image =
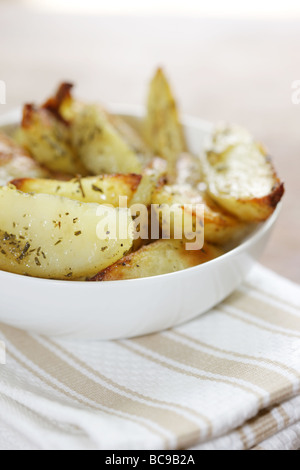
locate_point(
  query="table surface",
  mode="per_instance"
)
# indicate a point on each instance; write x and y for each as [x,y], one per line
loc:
[234,70]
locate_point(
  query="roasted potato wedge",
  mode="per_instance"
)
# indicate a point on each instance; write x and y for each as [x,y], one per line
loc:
[56,227]
[100,146]
[104,189]
[61,105]
[73,137]
[161,257]
[15,162]
[146,189]
[48,140]
[130,136]
[52,237]
[240,176]
[153,177]
[163,131]
[66,108]
[219,227]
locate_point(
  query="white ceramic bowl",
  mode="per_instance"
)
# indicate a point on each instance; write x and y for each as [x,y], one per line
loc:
[123,309]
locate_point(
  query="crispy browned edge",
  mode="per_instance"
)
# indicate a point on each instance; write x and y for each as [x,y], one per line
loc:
[52,105]
[131,179]
[28,111]
[272,199]
[129,259]
[268,203]
[124,262]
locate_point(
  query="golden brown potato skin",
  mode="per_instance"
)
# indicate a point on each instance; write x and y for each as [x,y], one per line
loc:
[161,257]
[15,162]
[48,139]
[220,227]
[60,101]
[104,189]
[256,209]
[240,175]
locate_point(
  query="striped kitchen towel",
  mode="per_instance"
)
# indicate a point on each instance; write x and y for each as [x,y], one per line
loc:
[227,380]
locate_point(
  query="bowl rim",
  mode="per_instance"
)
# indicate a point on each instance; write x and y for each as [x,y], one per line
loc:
[129,110]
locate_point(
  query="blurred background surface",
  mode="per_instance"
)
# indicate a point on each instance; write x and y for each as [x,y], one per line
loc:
[228,60]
